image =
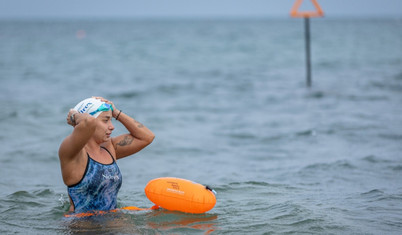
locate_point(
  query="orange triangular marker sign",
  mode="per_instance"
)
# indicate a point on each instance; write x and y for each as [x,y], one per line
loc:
[294,12]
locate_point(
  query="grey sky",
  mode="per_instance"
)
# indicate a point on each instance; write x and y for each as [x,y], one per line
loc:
[190,8]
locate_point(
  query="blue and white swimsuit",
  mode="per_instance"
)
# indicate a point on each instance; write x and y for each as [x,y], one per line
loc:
[98,188]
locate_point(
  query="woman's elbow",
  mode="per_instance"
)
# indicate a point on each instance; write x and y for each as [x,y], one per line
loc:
[150,138]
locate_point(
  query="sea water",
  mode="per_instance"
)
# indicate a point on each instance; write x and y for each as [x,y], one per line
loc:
[228,103]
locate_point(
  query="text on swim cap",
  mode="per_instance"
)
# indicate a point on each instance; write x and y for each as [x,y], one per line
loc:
[85,108]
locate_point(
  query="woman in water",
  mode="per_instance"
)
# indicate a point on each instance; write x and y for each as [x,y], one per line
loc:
[88,155]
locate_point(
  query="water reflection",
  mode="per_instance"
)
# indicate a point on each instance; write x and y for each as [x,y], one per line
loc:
[100,224]
[170,221]
[139,222]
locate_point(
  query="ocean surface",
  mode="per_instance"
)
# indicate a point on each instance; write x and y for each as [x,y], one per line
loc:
[228,103]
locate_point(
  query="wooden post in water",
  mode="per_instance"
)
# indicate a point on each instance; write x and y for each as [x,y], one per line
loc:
[295,13]
[308,57]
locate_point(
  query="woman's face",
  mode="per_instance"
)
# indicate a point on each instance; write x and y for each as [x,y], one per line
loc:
[104,127]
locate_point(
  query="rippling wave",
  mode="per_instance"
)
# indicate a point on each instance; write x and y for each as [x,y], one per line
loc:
[228,104]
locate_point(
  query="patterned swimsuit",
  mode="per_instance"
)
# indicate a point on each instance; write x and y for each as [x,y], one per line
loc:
[98,188]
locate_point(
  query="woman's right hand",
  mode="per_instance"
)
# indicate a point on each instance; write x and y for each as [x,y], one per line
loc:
[71,117]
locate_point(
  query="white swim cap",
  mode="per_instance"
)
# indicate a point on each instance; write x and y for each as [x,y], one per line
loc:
[92,106]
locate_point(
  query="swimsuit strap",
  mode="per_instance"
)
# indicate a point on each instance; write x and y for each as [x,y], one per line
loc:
[109,153]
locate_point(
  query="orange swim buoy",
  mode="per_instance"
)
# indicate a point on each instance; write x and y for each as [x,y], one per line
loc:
[180,195]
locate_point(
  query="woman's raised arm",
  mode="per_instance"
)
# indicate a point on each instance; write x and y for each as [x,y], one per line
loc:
[84,126]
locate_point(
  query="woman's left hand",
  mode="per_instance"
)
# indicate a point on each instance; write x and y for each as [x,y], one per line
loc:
[115,111]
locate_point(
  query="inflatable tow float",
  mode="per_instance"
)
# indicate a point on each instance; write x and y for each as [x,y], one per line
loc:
[177,194]
[170,193]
